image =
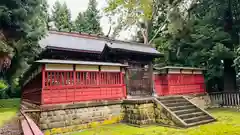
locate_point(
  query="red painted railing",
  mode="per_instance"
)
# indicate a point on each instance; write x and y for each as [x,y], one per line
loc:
[75,86]
[173,84]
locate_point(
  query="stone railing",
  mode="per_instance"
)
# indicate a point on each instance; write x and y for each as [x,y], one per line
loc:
[225,99]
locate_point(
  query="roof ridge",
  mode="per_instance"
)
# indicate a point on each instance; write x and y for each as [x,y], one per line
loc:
[95,36]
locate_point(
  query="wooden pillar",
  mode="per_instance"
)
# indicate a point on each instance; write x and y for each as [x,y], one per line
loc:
[99,75]
[43,82]
[122,82]
[150,71]
[126,79]
[74,82]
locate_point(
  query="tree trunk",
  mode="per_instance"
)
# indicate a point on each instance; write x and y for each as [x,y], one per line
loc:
[229,76]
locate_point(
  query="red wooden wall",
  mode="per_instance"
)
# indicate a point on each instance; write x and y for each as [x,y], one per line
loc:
[32,90]
[174,84]
[76,86]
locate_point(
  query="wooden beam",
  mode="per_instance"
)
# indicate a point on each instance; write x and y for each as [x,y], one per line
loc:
[150,70]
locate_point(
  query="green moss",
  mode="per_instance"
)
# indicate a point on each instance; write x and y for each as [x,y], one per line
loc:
[111,120]
[228,124]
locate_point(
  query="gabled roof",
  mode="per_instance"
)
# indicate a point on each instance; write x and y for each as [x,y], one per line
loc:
[91,43]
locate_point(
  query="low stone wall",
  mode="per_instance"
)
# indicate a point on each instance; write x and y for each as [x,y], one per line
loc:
[201,100]
[139,112]
[68,118]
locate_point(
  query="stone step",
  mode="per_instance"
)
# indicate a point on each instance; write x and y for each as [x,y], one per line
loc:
[200,122]
[186,111]
[190,115]
[170,98]
[177,104]
[167,101]
[184,107]
[196,119]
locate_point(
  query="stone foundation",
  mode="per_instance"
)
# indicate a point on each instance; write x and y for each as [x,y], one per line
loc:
[139,112]
[71,118]
[146,112]
[201,100]
[63,118]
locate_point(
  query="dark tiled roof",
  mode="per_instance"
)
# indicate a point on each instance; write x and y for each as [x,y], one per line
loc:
[91,43]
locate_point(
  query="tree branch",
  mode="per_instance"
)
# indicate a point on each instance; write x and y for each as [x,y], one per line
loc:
[158,31]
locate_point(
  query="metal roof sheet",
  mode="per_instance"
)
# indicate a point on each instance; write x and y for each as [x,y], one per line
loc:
[71,42]
[133,47]
[53,61]
[75,41]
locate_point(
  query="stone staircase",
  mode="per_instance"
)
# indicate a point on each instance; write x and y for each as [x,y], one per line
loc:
[185,112]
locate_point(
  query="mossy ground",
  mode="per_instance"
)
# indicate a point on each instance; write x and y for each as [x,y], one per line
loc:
[228,124]
[8,109]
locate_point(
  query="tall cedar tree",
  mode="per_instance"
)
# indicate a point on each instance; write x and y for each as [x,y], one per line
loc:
[61,16]
[89,21]
[22,25]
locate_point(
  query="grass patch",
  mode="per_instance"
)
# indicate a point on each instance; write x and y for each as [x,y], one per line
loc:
[228,124]
[8,109]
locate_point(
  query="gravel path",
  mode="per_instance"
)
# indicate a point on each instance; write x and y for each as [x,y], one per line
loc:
[12,127]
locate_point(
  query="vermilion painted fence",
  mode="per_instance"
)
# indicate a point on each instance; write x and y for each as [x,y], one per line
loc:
[75,86]
[173,84]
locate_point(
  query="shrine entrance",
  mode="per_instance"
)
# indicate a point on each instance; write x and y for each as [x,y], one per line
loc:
[139,82]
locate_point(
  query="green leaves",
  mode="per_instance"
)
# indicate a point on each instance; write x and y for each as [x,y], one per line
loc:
[89,21]
[61,16]
[138,8]
[237,59]
[3,85]
[22,25]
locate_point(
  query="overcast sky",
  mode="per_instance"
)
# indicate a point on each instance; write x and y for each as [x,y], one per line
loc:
[77,6]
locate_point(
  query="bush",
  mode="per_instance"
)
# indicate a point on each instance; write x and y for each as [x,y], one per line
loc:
[9,90]
[3,85]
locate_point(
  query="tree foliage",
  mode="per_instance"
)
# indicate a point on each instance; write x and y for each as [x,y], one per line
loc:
[89,21]
[22,24]
[200,33]
[61,16]
[143,13]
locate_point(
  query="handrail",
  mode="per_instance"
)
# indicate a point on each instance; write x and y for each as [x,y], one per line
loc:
[28,126]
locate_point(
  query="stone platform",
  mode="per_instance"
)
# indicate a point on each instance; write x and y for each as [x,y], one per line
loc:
[63,118]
